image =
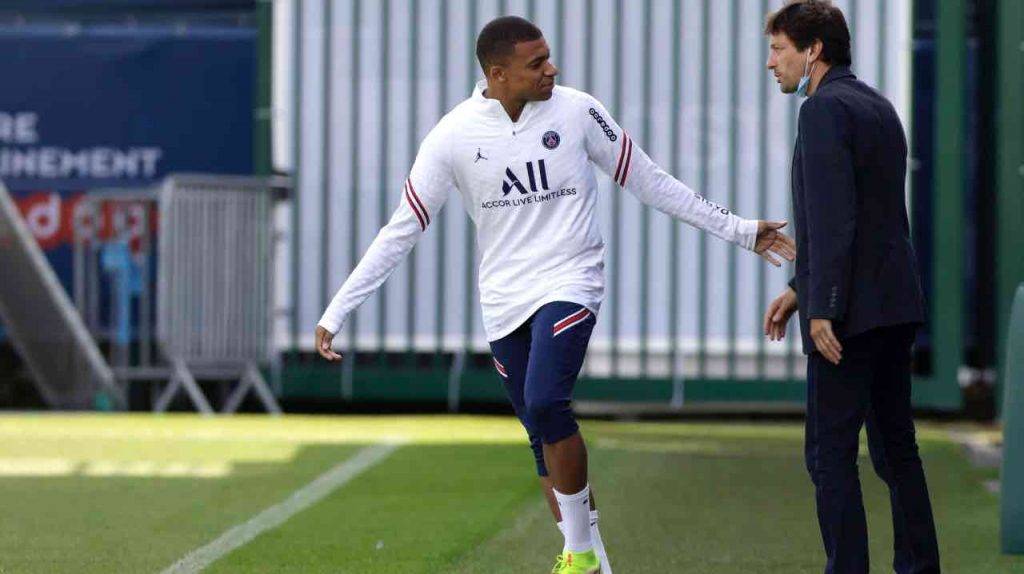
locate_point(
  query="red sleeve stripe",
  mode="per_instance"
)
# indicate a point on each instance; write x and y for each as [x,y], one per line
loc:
[423,209]
[625,168]
[412,204]
[622,156]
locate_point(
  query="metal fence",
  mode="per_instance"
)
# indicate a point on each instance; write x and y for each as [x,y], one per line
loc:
[686,78]
[212,241]
[215,299]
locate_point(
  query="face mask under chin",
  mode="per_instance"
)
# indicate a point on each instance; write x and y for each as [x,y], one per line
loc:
[805,80]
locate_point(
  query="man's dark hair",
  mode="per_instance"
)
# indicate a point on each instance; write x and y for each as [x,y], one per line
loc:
[499,37]
[805,21]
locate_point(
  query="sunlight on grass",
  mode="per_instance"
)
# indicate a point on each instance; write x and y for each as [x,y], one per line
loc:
[24,467]
[294,429]
[196,447]
[186,445]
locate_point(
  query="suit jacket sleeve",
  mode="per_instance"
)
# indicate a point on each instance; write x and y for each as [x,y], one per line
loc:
[830,205]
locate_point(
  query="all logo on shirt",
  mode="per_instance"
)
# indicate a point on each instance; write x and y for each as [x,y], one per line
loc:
[511,181]
[536,181]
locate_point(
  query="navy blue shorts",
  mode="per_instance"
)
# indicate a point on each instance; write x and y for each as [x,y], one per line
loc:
[539,363]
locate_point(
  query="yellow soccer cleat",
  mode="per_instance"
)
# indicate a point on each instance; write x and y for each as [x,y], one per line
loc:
[577,563]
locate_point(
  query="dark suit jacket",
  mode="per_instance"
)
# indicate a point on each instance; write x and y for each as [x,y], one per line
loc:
[855,264]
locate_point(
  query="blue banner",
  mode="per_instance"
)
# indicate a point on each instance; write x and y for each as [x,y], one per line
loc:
[113,5]
[115,106]
[118,106]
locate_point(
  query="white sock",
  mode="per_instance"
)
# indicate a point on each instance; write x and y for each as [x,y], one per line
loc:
[595,537]
[575,509]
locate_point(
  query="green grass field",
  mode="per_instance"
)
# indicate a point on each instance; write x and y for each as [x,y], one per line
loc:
[139,493]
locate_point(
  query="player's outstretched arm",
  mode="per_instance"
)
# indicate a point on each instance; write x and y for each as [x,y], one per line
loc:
[615,153]
[423,195]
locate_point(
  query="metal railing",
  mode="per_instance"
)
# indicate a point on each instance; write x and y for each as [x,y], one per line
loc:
[212,241]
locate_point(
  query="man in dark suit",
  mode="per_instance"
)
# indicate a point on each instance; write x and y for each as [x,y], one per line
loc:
[857,289]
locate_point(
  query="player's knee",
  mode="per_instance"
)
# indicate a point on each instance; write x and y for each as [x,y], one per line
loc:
[539,411]
[551,417]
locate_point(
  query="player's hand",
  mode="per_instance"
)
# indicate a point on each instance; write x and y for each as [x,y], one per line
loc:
[323,344]
[777,316]
[825,340]
[771,240]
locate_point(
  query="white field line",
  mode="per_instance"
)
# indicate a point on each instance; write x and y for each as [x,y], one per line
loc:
[276,515]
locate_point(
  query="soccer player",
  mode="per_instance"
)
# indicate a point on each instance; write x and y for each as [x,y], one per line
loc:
[522,152]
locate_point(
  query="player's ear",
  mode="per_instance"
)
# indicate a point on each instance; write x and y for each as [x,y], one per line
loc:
[497,73]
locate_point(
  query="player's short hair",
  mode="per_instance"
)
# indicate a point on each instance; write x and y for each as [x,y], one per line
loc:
[499,37]
[805,21]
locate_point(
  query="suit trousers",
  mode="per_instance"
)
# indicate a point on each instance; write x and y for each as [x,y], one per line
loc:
[871,385]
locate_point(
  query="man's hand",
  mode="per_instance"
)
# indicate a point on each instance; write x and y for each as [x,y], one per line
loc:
[778,314]
[770,240]
[825,340]
[323,344]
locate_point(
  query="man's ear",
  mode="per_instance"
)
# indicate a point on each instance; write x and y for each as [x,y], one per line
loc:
[816,49]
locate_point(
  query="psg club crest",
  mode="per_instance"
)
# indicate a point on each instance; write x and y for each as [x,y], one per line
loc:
[551,140]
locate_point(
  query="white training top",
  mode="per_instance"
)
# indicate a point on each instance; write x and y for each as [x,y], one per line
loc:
[529,187]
